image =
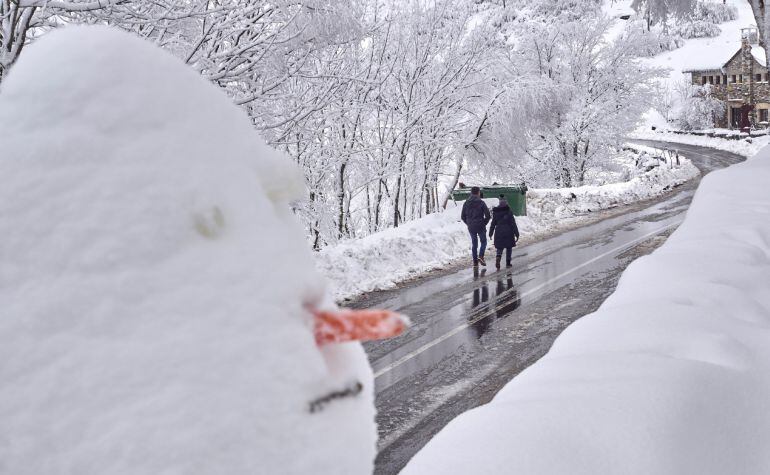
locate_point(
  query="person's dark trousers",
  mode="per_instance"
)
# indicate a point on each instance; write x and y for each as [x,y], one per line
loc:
[478,236]
[507,254]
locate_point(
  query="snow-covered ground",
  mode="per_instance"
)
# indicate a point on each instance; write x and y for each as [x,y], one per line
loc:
[671,375]
[549,204]
[382,260]
[747,146]
[154,287]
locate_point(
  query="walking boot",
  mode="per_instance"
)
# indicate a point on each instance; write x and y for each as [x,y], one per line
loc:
[482,261]
[497,262]
[475,262]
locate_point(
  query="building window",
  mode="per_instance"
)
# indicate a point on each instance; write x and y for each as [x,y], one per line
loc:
[759,78]
[735,117]
[733,79]
[711,79]
[740,78]
[763,115]
[704,80]
[718,79]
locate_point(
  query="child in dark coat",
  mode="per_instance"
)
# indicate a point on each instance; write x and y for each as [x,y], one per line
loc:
[505,231]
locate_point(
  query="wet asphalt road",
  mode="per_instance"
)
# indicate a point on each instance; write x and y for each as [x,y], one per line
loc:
[473,331]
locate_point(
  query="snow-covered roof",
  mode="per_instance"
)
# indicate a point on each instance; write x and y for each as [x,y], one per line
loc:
[711,67]
[714,64]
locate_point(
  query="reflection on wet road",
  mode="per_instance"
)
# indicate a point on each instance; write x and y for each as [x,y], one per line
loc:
[448,319]
[473,330]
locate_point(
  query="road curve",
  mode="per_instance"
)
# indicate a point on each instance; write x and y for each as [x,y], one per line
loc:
[473,331]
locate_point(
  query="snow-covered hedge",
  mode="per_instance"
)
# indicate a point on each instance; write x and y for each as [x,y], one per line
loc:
[671,375]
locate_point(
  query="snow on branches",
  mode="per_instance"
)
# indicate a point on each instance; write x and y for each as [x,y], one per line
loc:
[384,106]
[578,94]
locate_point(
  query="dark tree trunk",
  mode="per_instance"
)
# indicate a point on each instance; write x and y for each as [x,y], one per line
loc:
[760,17]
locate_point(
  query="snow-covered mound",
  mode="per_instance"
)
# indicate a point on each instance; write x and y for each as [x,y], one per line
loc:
[153,281]
[671,375]
[567,202]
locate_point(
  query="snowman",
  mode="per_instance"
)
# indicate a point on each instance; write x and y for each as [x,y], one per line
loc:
[159,308]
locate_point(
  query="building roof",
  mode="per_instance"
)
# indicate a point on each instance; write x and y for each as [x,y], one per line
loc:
[714,64]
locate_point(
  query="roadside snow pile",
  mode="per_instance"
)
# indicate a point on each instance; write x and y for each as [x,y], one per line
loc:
[382,260]
[747,146]
[565,202]
[153,280]
[671,375]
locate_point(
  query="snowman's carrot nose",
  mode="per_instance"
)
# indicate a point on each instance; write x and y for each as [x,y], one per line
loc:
[357,325]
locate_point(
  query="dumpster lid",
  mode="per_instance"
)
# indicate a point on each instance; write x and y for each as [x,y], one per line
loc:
[520,187]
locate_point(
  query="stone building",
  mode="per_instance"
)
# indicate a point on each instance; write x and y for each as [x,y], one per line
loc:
[741,82]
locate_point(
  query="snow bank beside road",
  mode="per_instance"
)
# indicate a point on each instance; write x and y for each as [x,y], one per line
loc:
[671,375]
[382,260]
[565,202]
[746,147]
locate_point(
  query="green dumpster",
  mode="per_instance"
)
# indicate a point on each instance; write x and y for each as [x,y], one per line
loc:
[515,195]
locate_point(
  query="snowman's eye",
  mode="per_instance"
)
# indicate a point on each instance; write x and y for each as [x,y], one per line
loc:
[210,223]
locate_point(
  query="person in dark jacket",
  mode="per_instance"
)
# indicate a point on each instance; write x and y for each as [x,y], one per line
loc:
[505,231]
[475,215]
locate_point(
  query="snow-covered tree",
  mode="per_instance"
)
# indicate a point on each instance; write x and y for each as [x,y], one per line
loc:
[762,19]
[699,109]
[581,96]
[664,99]
[659,11]
[386,114]
[384,105]
[21,21]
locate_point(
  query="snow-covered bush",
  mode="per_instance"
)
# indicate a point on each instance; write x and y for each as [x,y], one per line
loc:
[699,109]
[656,40]
[695,29]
